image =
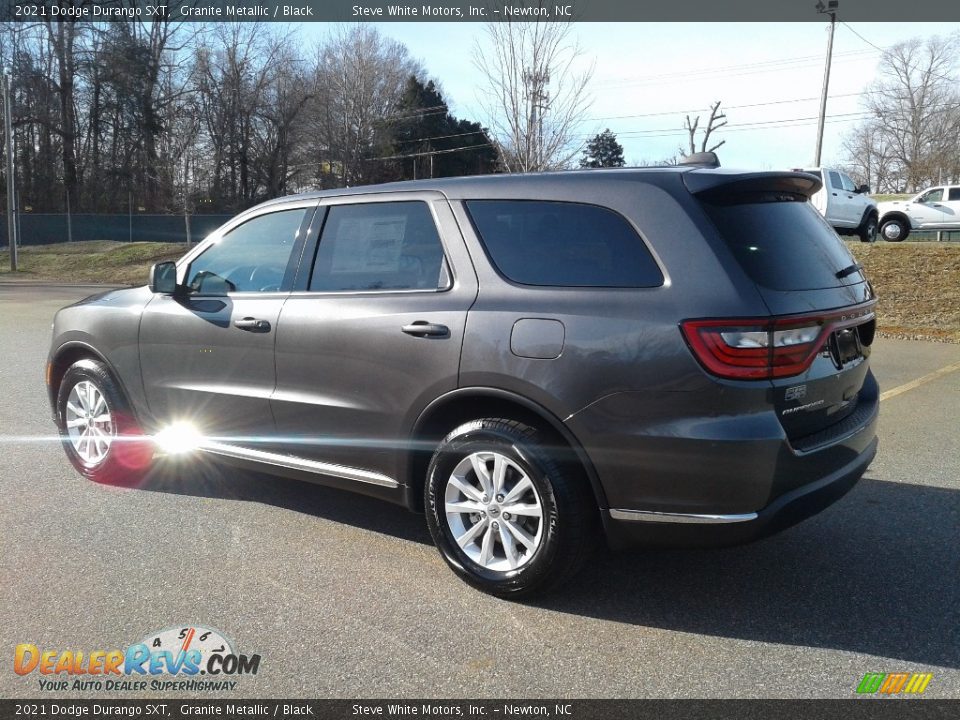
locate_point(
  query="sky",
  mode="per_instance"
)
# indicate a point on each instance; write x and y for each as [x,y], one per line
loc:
[662,71]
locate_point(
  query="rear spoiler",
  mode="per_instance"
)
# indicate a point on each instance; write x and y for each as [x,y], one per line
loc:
[715,182]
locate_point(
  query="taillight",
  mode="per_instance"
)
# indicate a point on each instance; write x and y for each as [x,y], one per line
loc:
[756,349]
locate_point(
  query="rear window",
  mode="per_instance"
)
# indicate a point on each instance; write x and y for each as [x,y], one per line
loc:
[782,242]
[563,244]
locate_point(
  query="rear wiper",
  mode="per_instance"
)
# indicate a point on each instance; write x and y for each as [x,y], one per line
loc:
[849,270]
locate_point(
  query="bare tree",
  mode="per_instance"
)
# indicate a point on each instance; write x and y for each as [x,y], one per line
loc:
[360,80]
[536,94]
[716,121]
[868,159]
[63,39]
[236,73]
[914,110]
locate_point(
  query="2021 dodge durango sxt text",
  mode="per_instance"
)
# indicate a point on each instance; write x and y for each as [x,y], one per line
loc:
[672,355]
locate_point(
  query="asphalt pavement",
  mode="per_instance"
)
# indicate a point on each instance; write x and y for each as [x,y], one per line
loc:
[344,596]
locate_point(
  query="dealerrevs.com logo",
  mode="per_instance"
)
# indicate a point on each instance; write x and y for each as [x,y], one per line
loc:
[184,653]
[894,683]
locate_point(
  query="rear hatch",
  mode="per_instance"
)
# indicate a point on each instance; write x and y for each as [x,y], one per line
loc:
[815,344]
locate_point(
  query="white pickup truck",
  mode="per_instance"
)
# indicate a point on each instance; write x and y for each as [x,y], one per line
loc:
[935,209]
[848,208]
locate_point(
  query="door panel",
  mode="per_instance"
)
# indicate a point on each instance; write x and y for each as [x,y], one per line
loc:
[951,208]
[929,213]
[852,202]
[207,351]
[357,363]
[200,368]
[838,206]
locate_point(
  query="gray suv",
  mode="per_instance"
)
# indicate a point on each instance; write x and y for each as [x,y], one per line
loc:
[671,355]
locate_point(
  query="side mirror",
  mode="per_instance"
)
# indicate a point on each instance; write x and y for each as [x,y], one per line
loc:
[864,189]
[163,278]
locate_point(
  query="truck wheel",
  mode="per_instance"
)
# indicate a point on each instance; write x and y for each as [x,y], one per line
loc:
[894,230]
[509,516]
[868,229]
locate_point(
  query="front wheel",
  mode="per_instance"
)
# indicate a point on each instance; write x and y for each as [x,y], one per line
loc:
[508,513]
[97,428]
[894,230]
[868,229]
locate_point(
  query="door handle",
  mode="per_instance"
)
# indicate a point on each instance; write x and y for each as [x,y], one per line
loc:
[834,194]
[252,325]
[421,328]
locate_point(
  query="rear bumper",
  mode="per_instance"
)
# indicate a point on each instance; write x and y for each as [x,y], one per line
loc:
[625,528]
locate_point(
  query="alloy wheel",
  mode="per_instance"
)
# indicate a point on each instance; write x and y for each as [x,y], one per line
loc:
[493,511]
[89,422]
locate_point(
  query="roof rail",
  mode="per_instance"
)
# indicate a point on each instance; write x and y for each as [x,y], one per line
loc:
[706,159]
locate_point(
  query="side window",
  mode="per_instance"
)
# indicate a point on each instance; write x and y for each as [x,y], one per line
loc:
[847,183]
[835,182]
[563,244]
[935,195]
[954,194]
[252,257]
[379,246]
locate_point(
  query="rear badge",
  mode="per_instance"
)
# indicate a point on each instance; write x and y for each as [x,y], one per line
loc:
[797,392]
[808,406]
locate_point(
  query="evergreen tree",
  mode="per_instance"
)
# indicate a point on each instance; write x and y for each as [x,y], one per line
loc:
[603,151]
[440,145]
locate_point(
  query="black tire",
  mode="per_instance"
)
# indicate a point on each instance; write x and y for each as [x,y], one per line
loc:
[868,229]
[568,526]
[894,230]
[130,453]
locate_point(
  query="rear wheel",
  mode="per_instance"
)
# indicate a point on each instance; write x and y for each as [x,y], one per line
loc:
[868,229]
[98,430]
[894,230]
[508,514]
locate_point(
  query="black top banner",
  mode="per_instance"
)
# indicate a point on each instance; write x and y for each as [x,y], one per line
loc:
[479,10]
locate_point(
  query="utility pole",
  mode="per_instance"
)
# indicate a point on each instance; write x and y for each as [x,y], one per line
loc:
[11,180]
[830,9]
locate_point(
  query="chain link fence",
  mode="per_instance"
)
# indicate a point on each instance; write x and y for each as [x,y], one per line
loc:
[47,228]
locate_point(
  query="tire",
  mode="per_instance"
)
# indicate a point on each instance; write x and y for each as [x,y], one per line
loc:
[868,229]
[526,554]
[90,403]
[895,230]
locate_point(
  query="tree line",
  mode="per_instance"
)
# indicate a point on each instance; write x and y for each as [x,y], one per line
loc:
[215,118]
[910,137]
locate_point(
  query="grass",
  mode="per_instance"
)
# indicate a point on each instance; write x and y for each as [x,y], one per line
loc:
[918,284]
[901,196]
[97,261]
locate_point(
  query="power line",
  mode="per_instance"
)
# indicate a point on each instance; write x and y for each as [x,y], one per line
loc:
[728,107]
[441,137]
[431,152]
[847,25]
[634,133]
[680,132]
[735,70]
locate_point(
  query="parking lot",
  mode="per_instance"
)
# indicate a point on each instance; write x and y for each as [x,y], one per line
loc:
[345,596]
